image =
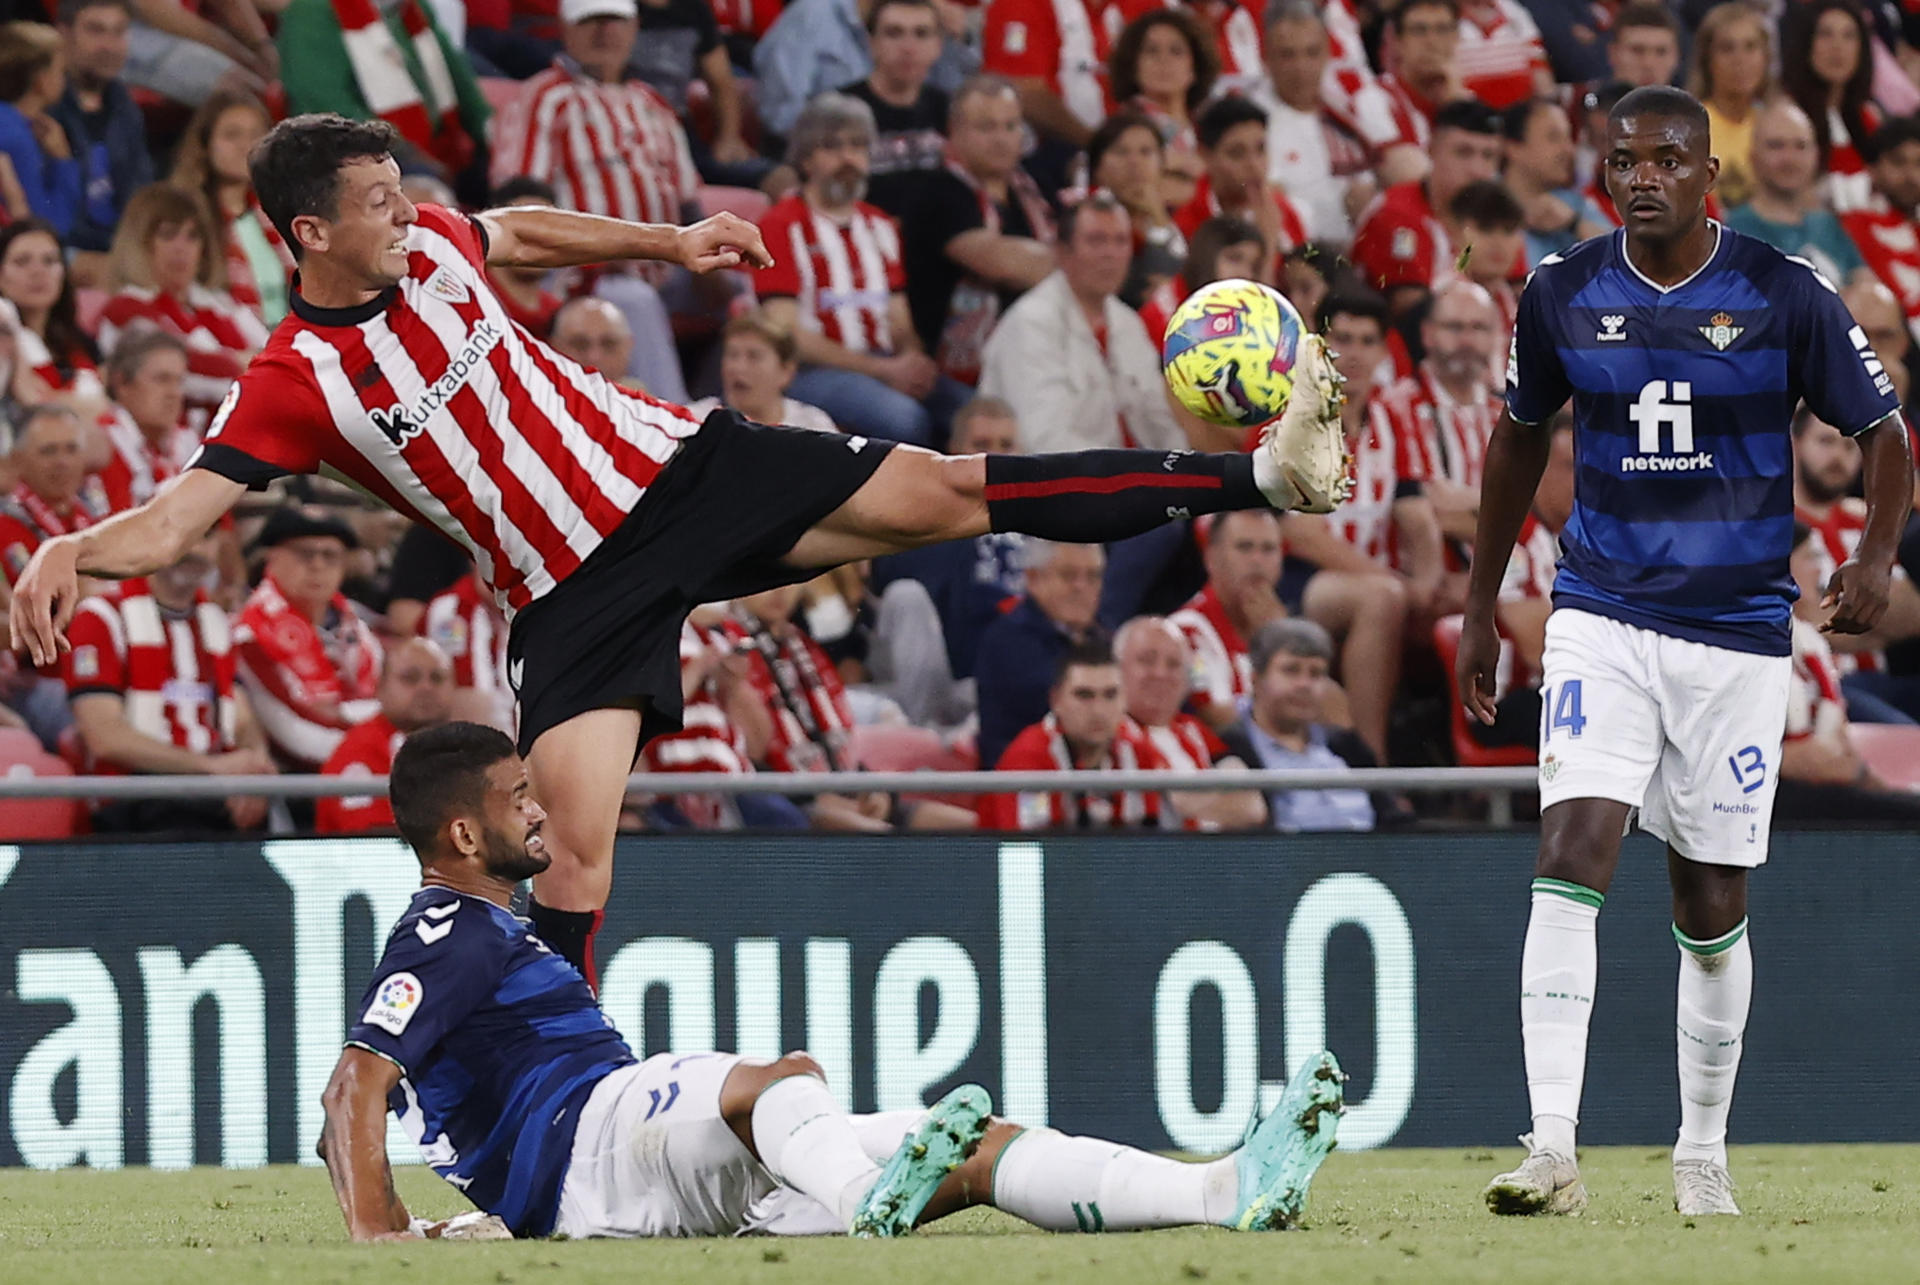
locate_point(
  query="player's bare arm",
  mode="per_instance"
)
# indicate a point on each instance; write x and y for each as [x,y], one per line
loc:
[353,1143]
[1861,586]
[532,237]
[1516,457]
[133,543]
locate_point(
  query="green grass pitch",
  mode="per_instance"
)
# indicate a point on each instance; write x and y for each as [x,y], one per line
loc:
[1836,1213]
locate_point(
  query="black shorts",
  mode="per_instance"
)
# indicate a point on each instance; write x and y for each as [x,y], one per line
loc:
[713,526]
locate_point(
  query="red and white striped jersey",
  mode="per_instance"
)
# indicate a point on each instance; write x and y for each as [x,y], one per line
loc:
[1041,748]
[1529,573]
[27,521]
[1206,204]
[616,149]
[1848,185]
[1222,674]
[174,671]
[708,740]
[804,695]
[1058,41]
[1837,535]
[1815,703]
[1187,744]
[1386,467]
[466,623]
[1889,241]
[430,399]
[135,470]
[1451,436]
[367,750]
[1500,50]
[843,276]
[219,335]
[308,685]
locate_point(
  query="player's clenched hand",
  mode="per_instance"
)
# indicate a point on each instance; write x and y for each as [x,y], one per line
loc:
[722,241]
[43,601]
[1473,668]
[1857,595]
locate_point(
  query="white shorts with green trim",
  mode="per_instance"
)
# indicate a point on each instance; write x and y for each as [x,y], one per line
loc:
[1689,734]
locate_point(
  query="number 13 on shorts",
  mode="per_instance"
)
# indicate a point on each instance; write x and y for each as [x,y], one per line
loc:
[1560,710]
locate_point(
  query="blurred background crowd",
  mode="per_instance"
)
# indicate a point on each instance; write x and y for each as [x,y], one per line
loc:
[981,216]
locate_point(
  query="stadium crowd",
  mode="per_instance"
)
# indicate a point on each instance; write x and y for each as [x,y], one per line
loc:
[981,217]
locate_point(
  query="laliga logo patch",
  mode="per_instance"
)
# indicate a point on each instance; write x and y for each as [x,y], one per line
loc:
[1720,330]
[395,1003]
[443,285]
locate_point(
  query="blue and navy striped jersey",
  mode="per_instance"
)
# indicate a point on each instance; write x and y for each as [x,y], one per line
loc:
[498,1040]
[1683,403]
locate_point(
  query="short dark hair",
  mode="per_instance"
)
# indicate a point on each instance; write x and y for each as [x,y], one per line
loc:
[1222,115]
[1468,114]
[131,353]
[296,167]
[1355,304]
[1111,131]
[1516,119]
[1668,102]
[1644,13]
[1207,242]
[1897,131]
[1398,18]
[1097,650]
[520,187]
[1487,203]
[439,773]
[1099,201]
[873,15]
[71,9]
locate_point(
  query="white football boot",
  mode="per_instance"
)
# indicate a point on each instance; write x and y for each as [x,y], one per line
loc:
[1307,445]
[1703,1187]
[1545,1183]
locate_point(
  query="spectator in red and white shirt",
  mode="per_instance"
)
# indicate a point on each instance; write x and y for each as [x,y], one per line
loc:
[416,691]
[1393,130]
[310,664]
[1449,405]
[1885,230]
[468,626]
[1487,216]
[146,377]
[1086,730]
[151,680]
[1423,66]
[838,281]
[1156,671]
[1501,59]
[1244,555]
[50,342]
[1164,67]
[1826,470]
[1378,557]
[1053,51]
[1826,66]
[1233,138]
[1314,154]
[168,276]
[54,494]
[1402,247]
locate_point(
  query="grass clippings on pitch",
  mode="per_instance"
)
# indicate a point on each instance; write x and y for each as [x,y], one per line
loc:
[1840,1213]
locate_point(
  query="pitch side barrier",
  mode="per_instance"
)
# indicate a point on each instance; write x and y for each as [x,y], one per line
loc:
[169,1005]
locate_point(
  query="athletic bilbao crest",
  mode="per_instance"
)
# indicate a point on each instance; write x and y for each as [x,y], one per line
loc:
[1720,330]
[444,285]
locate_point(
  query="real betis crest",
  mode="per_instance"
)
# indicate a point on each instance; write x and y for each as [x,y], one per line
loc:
[1720,330]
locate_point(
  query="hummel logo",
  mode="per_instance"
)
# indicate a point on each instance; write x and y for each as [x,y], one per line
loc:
[441,912]
[1611,331]
[428,934]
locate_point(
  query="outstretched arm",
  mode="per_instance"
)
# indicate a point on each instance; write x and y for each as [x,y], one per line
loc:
[133,543]
[353,1142]
[1861,586]
[1516,457]
[541,237]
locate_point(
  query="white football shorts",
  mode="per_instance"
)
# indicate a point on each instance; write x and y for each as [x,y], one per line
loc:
[653,1157]
[1688,733]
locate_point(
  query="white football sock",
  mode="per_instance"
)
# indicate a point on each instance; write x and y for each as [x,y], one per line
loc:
[1280,493]
[1558,969]
[809,1143]
[1716,990]
[1066,1183]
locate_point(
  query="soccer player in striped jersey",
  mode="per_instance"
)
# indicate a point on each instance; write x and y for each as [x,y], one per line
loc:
[599,516]
[1685,347]
[500,1065]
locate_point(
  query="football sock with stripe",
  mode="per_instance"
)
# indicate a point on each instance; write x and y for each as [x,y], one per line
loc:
[807,1142]
[570,933]
[1716,990]
[1559,967]
[1090,497]
[1065,1183]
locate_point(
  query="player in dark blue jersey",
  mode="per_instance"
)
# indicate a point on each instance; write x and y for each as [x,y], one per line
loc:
[497,1060]
[1686,348]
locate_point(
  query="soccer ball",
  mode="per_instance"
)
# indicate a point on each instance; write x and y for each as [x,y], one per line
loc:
[1229,352]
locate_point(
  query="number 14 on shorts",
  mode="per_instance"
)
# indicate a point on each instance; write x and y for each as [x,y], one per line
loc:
[1560,709]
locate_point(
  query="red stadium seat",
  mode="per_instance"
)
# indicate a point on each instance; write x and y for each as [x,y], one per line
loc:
[35,818]
[749,203]
[1467,751]
[1892,750]
[898,749]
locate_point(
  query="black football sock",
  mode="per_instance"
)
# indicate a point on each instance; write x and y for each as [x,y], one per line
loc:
[1091,497]
[570,933]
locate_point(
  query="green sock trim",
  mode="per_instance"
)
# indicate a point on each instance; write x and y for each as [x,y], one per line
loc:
[1571,891]
[1713,947]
